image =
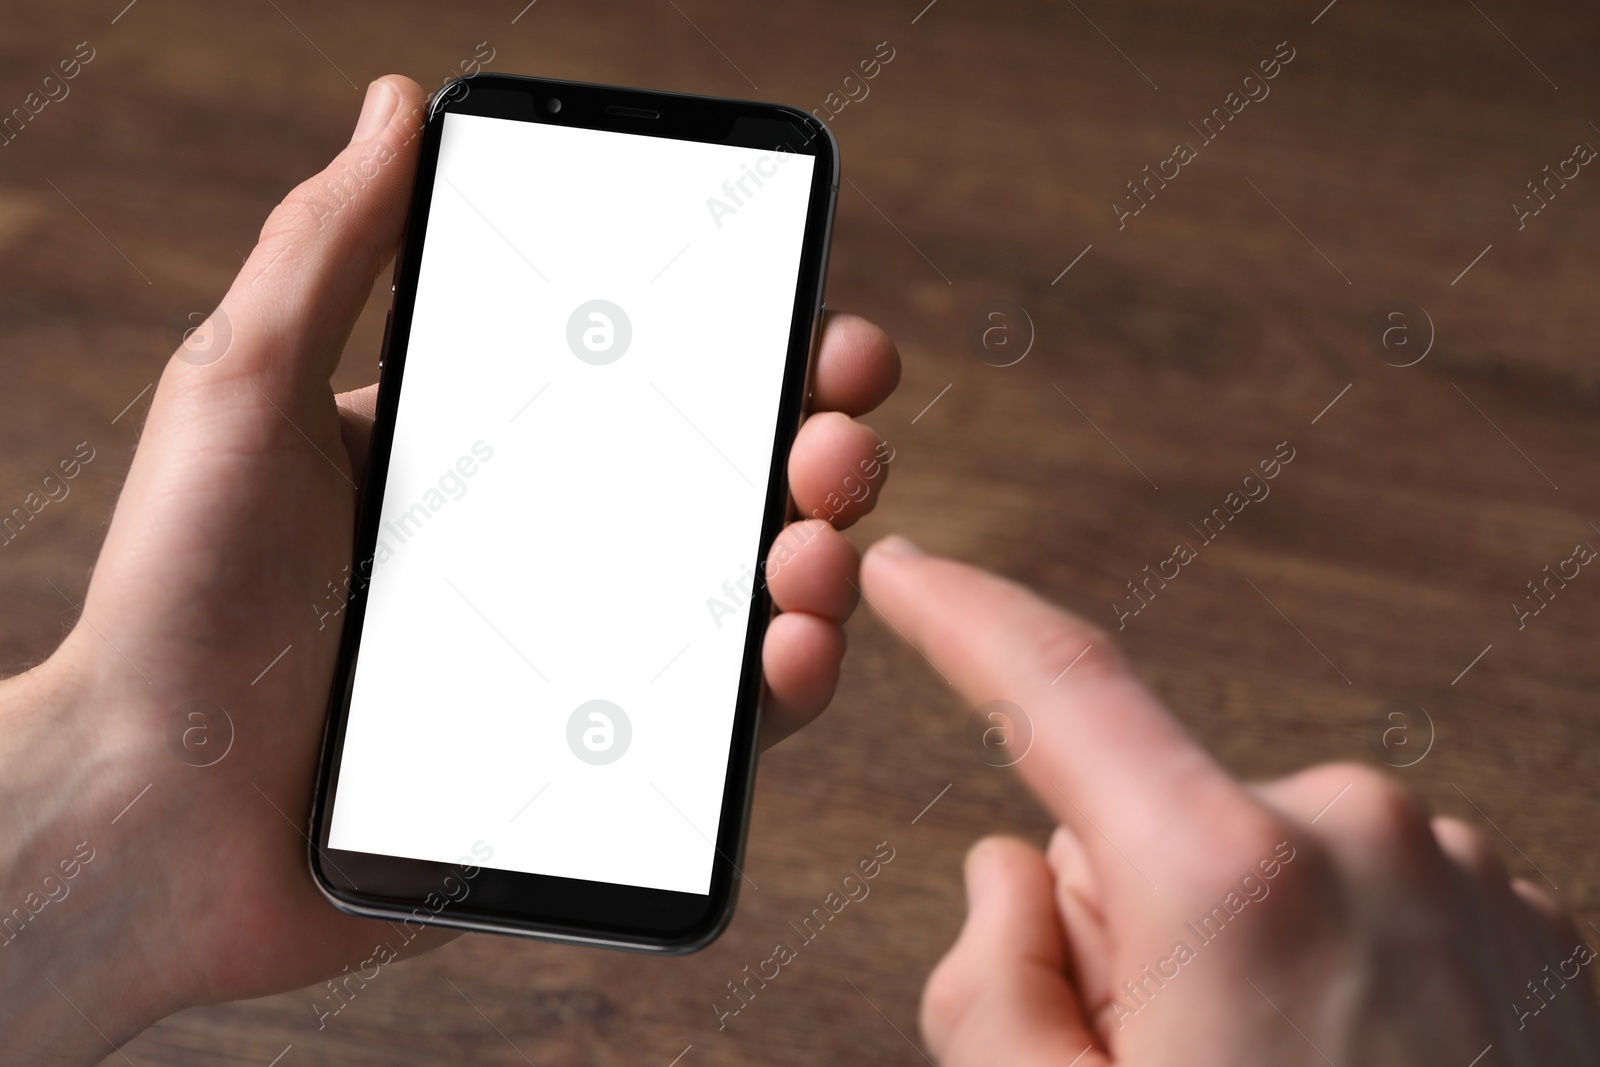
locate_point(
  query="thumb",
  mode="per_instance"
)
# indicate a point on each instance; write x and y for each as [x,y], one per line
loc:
[284,322]
[1001,994]
[251,383]
[241,452]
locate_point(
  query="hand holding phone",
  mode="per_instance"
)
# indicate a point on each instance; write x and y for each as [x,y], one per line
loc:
[235,518]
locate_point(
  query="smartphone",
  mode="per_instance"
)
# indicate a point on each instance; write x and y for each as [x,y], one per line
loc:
[544,716]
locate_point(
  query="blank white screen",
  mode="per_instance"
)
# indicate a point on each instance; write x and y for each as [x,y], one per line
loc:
[554,531]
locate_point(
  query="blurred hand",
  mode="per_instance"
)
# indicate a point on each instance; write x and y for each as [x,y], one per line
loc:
[1180,917]
[237,513]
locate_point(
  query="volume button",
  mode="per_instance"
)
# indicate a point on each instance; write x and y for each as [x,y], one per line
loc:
[383,352]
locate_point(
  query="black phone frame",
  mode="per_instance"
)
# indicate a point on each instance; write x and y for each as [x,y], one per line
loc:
[418,892]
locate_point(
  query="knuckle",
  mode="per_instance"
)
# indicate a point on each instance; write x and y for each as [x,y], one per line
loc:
[299,215]
[1066,640]
[1256,862]
[1378,810]
[305,215]
[1253,842]
[1470,849]
[1259,833]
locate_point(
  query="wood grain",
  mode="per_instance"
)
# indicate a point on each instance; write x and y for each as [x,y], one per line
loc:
[1175,354]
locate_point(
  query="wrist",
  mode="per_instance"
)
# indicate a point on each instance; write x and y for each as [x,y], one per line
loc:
[74,977]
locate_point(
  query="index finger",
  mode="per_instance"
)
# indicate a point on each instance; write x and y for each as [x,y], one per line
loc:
[1106,757]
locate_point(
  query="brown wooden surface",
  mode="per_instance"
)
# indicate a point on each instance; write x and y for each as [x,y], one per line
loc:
[983,161]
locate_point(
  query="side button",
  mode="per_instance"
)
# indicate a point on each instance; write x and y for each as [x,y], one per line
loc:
[383,352]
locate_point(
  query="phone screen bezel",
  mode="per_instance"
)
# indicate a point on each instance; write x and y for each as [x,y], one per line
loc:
[566,909]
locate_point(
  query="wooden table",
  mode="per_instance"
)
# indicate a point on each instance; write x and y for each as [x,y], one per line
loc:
[1171,351]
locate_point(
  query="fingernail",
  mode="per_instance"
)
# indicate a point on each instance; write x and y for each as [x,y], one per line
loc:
[895,545]
[376,111]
